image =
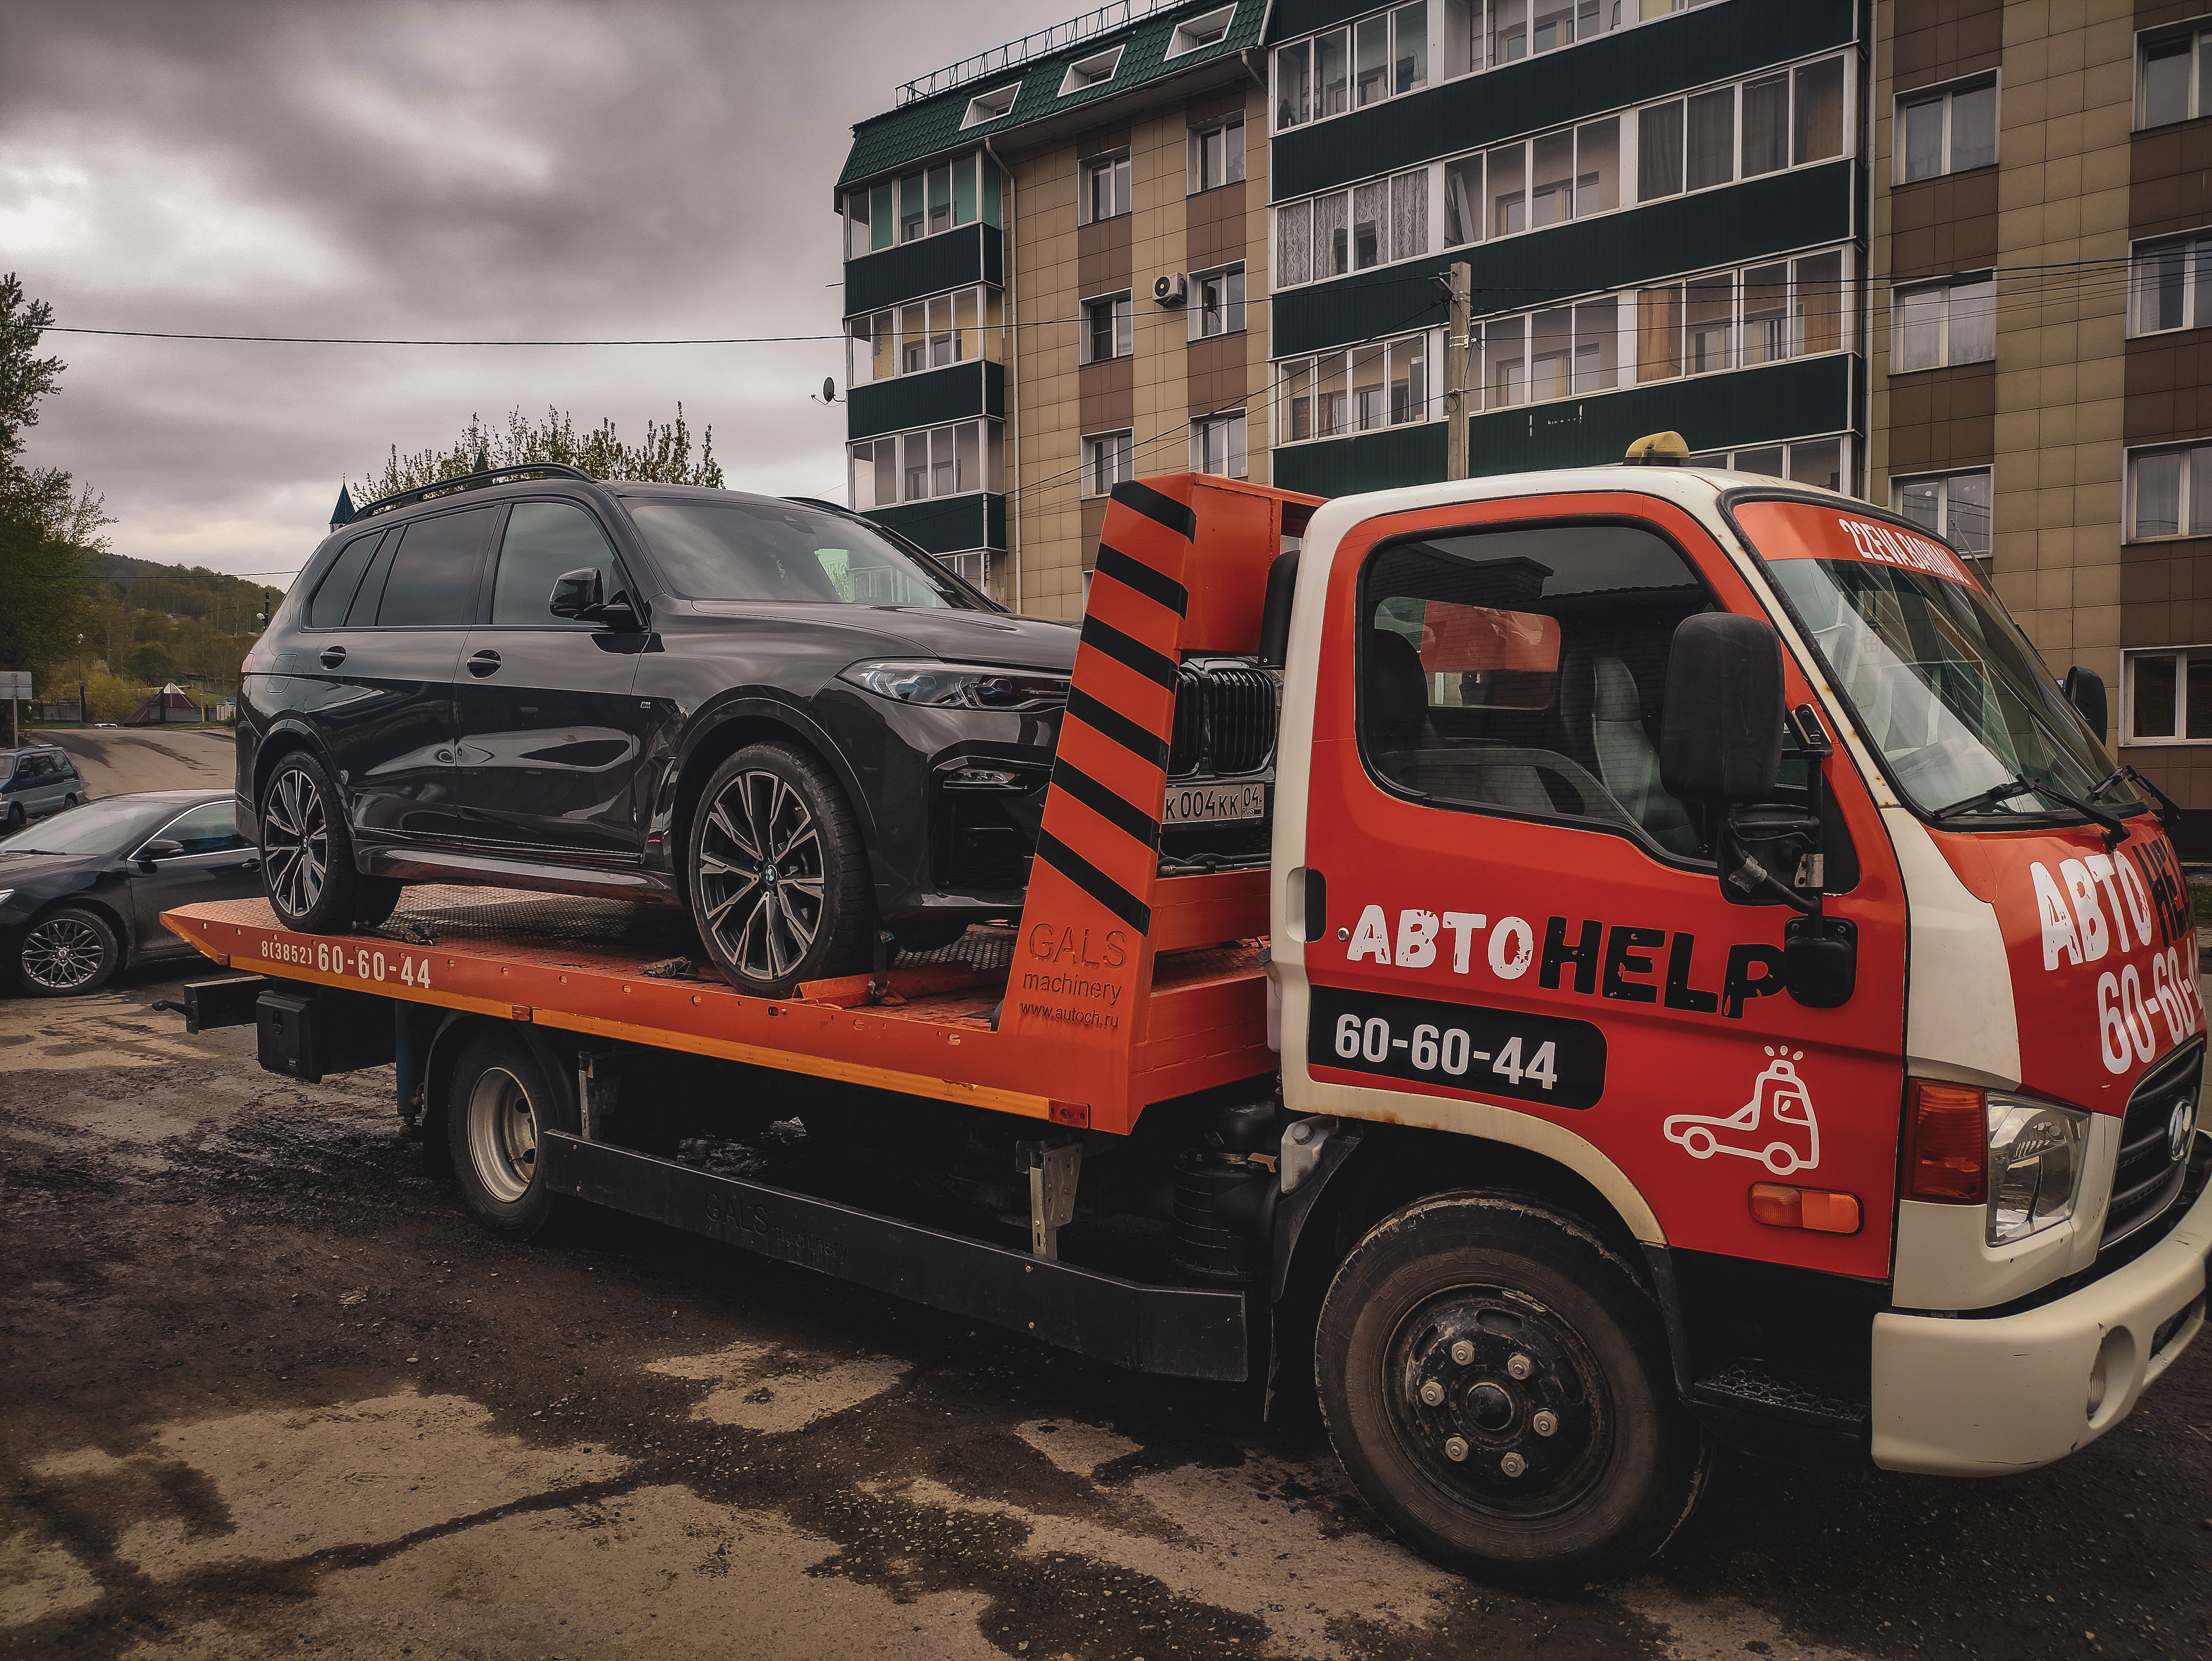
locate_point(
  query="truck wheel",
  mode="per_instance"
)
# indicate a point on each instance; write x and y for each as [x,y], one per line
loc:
[501,1103]
[307,855]
[1498,1385]
[779,872]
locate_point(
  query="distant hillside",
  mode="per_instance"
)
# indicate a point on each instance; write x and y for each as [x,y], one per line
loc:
[186,591]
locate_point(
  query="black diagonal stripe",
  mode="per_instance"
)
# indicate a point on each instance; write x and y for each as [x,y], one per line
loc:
[1161,510]
[1095,883]
[1111,723]
[1129,650]
[1108,804]
[1133,573]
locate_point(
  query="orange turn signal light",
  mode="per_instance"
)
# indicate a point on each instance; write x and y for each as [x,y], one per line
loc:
[1947,1156]
[1822,1209]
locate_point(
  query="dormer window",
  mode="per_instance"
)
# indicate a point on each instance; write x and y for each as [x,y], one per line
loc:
[1095,70]
[1199,33]
[990,106]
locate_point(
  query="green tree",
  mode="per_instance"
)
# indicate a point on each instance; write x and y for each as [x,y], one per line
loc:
[663,458]
[46,495]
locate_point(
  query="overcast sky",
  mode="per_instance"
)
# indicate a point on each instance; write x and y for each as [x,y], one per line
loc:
[475,170]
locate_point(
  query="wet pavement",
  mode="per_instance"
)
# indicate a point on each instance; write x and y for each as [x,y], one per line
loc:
[270,1394]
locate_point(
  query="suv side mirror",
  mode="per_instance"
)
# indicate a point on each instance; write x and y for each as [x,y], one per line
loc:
[2085,691]
[578,596]
[161,848]
[1721,741]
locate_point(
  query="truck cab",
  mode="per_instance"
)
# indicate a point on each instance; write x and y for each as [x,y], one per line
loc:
[1721,855]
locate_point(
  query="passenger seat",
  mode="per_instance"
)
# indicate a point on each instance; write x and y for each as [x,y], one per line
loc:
[1612,718]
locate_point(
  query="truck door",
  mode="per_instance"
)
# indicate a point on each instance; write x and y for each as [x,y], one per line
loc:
[1523,934]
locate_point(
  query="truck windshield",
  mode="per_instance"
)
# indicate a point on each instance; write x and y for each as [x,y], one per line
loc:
[1968,720]
[749,549]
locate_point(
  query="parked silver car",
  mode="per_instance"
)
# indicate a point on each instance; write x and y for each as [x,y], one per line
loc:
[35,783]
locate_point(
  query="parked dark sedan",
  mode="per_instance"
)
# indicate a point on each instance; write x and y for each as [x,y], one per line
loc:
[82,894]
[769,710]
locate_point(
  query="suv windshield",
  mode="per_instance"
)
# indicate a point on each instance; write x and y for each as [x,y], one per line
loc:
[98,827]
[749,548]
[1944,685]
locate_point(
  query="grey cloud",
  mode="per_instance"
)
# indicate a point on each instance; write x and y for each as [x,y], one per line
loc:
[526,170]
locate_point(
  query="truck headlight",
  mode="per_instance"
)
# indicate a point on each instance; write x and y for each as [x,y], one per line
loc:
[958,685]
[2035,1166]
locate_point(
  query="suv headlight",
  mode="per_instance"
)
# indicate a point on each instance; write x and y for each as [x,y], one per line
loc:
[958,685]
[2035,1166]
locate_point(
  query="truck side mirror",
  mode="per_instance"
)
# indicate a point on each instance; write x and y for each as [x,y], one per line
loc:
[1721,741]
[2085,691]
[1275,610]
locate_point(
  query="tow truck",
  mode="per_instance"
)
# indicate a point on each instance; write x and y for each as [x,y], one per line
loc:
[1706,984]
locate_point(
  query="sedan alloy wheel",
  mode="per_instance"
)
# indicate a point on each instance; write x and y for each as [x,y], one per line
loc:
[69,952]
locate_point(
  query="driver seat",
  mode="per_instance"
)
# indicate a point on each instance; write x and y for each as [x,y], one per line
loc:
[1625,759]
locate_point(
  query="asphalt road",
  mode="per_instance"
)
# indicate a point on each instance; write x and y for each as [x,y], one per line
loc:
[269,1394]
[116,760]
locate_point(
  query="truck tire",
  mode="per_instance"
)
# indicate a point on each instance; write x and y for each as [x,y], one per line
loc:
[779,875]
[1497,1383]
[499,1105]
[307,851]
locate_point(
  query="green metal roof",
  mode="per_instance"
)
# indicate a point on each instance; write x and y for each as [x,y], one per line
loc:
[931,127]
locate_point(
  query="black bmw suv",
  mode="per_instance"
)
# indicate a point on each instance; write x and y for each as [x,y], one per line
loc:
[769,710]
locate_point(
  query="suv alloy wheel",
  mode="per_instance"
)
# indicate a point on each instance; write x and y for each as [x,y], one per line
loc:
[307,855]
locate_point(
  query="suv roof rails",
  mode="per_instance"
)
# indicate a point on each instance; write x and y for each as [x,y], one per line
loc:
[470,482]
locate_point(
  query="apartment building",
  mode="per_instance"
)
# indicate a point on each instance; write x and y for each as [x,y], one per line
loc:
[2041,204]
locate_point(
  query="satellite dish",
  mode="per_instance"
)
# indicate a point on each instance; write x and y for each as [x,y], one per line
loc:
[828,389]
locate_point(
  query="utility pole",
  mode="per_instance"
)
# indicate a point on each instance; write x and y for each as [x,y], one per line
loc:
[1455,360]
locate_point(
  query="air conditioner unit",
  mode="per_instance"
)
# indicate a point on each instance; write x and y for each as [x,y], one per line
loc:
[1173,290]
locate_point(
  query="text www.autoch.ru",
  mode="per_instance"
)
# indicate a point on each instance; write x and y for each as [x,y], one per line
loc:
[1073,1017]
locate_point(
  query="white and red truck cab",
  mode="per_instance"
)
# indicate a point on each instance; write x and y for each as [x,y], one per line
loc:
[1705,982]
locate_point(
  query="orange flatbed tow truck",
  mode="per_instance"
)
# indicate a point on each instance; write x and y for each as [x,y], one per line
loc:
[1705,983]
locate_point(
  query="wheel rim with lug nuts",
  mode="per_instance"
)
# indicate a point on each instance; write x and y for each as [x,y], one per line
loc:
[1499,1402]
[60,955]
[502,1134]
[761,876]
[295,842]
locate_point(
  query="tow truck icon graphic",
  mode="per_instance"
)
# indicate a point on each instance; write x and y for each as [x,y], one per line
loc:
[1775,1126]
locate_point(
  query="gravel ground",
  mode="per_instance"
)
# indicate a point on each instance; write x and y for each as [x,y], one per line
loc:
[269,1394]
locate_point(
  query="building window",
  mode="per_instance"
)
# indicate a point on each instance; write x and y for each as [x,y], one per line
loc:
[1108,323]
[1794,117]
[924,203]
[1217,302]
[2170,74]
[990,106]
[1196,33]
[1104,188]
[2170,492]
[1386,384]
[954,459]
[1216,154]
[1819,462]
[1956,506]
[1109,458]
[1946,129]
[920,335]
[1095,70]
[1727,320]
[1387,53]
[2172,283]
[2168,695]
[1942,323]
[1217,445]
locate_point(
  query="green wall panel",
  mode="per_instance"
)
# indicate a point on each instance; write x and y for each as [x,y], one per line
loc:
[929,266]
[1690,233]
[1630,68]
[923,400]
[952,526]
[1712,412]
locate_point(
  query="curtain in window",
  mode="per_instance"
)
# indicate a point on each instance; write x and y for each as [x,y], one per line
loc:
[2200,491]
[1922,139]
[2160,289]
[1659,152]
[1973,323]
[1919,326]
[1294,244]
[1712,138]
[1370,223]
[2157,493]
[1766,125]
[1966,516]
[1658,334]
[1332,250]
[1820,303]
[1820,123]
[1409,214]
[1973,128]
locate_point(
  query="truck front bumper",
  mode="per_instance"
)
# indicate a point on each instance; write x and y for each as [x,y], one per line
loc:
[1957,1396]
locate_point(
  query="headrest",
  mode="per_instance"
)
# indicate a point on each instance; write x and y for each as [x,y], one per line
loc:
[1612,691]
[1397,690]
